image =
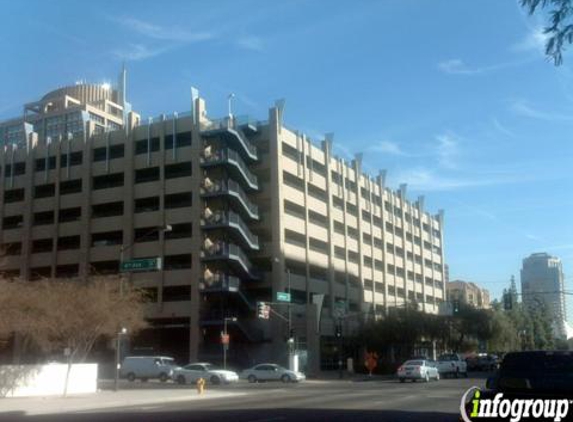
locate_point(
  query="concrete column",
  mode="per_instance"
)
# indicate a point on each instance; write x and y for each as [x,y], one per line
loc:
[381,180]
[27,214]
[195,334]
[86,202]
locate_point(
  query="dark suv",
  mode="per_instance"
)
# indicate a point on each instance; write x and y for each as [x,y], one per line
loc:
[534,374]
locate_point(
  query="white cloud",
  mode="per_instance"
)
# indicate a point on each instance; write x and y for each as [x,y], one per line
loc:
[343,151]
[456,67]
[251,42]
[535,40]
[163,33]
[502,128]
[426,179]
[423,179]
[162,39]
[525,109]
[387,147]
[447,150]
[459,67]
[135,52]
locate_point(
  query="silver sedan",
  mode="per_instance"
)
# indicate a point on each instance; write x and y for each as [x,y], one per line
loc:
[418,369]
[271,372]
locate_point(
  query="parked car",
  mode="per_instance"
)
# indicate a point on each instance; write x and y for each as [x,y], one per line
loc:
[189,374]
[418,370]
[452,365]
[148,367]
[271,372]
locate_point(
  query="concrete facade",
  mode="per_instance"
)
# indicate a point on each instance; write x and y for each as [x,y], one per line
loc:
[468,293]
[255,207]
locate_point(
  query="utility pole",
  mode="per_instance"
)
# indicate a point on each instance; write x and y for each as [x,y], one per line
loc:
[339,336]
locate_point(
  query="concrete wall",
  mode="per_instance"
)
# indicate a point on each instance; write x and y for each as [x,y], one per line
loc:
[47,380]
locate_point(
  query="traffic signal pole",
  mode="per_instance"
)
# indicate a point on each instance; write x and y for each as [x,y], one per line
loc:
[288,320]
[339,336]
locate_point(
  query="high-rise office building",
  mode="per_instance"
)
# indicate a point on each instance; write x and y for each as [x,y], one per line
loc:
[542,281]
[255,209]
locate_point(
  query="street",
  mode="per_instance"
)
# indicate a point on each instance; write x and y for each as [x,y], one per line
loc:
[314,400]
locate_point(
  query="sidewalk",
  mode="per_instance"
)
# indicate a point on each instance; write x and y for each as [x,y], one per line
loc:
[104,400]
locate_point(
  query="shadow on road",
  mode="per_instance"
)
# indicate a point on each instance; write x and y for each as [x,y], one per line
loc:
[249,415]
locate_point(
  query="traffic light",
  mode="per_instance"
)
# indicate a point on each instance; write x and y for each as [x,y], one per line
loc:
[263,310]
[456,306]
[291,333]
[508,301]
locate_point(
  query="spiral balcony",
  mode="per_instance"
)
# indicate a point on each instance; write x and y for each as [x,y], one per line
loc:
[218,282]
[227,130]
[231,220]
[212,157]
[230,188]
[229,252]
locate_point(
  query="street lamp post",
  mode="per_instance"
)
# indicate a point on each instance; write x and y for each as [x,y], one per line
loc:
[123,331]
[226,345]
[340,345]
[165,229]
[118,357]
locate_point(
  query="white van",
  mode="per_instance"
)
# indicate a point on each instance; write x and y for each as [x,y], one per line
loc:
[147,367]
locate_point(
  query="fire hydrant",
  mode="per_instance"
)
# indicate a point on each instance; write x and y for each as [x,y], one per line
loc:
[200,385]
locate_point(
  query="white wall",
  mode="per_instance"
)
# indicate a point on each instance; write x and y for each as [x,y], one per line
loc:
[47,380]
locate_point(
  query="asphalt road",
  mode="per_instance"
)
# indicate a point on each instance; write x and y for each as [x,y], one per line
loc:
[329,401]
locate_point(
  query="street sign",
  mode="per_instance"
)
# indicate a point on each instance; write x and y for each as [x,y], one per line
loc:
[144,264]
[339,310]
[283,297]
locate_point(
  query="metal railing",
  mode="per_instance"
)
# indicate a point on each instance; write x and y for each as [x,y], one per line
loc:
[228,251]
[232,219]
[220,283]
[144,121]
[235,219]
[230,187]
[229,125]
[234,188]
[228,155]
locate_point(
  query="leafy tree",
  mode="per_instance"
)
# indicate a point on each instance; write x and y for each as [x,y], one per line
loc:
[560,26]
[54,315]
[504,336]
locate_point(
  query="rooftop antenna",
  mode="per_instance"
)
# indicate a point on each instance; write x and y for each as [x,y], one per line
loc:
[122,94]
[122,86]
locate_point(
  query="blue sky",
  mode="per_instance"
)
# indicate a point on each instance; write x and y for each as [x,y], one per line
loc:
[454,98]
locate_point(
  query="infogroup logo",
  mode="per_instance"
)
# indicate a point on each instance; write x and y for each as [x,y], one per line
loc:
[512,409]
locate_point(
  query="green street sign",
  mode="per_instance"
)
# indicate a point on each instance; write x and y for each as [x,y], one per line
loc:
[339,310]
[283,297]
[145,264]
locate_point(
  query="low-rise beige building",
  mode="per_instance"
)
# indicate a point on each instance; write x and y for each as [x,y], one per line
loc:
[468,293]
[255,208]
